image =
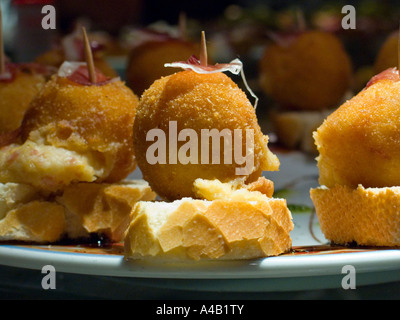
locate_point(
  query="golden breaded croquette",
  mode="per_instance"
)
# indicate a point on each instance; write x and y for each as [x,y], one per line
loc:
[196,101]
[312,72]
[146,61]
[387,54]
[74,132]
[56,57]
[16,95]
[360,142]
[95,118]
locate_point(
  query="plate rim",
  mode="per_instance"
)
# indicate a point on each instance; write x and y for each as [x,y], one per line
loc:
[286,266]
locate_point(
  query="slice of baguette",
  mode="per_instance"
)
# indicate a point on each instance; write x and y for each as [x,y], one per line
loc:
[295,128]
[101,208]
[35,221]
[233,223]
[25,216]
[13,194]
[367,216]
[79,211]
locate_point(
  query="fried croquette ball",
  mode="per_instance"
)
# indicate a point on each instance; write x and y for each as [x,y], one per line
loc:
[56,57]
[146,61]
[387,55]
[15,97]
[196,101]
[74,132]
[360,142]
[312,72]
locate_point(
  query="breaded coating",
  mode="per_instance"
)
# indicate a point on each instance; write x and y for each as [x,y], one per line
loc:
[360,142]
[197,101]
[311,73]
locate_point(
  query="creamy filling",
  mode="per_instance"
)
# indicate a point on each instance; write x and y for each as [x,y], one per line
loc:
[47,167]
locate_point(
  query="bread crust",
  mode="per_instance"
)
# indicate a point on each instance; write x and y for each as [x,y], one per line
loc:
[101,208]
[240,224]
[366,216]
[36,221]
[82,209]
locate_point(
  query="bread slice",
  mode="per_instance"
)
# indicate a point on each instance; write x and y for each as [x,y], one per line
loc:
[101,208]
[294,129]
[25,216]
[80,210]
[366,216]
[231,223]
[35,221]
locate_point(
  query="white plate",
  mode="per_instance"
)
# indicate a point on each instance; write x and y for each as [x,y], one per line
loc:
[313,264]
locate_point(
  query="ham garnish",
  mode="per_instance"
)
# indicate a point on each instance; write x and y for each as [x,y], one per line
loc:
[235,67]
[31,68]
[283,39]
[78,72]
[74,47]
[388,74]
[9,74]
[36,68]
[193,63]
[138,37]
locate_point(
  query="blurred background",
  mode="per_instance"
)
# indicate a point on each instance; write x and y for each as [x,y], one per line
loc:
[243,23]
[238,19]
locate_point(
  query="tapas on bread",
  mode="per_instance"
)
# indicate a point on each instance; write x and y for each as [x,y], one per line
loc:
[74,130]
[208,209]
[195,102]
[358,165]
[62,175]
[63,171]
[306,73]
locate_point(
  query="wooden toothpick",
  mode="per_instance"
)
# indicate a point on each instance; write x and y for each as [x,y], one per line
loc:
[301,21]
[89,57]
[203,50]
[2,55]
[182,26]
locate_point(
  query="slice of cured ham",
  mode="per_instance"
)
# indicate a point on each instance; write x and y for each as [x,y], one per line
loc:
[388,74]
[78,72]
[235,67]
